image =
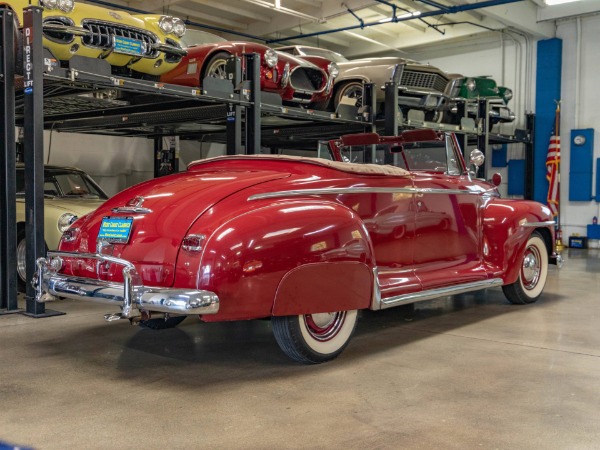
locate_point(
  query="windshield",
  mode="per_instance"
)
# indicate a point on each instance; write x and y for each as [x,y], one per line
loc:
[431,156]
[64,183]
[197,37]
[323,53]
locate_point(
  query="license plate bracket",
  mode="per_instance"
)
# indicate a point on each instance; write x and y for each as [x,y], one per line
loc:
[115,230]
[128,46]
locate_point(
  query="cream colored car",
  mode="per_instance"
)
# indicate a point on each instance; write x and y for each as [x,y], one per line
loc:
[69,193]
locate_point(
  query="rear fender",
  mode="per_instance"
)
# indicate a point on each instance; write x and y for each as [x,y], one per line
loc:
[282,258]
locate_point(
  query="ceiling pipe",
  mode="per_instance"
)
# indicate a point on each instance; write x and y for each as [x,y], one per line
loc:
[438,12]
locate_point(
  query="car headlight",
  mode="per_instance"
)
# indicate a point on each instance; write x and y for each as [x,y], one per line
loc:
[470,83]
[66,5]
[333,70]
[508,94]
[178,27]
[50,4]
[65,221]
[166,24]
[271,57]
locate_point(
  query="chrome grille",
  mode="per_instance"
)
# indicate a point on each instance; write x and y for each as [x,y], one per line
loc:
[424,80]
[307,79]
[102,33]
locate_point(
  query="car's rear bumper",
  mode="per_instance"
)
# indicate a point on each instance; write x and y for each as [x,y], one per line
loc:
[129,295]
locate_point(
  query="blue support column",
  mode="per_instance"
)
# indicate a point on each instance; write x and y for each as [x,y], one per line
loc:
[548,78]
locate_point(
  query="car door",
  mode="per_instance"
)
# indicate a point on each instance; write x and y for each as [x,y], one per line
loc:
[388,212]
[448,225]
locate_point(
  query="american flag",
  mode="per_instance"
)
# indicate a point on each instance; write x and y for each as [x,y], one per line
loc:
[553,173]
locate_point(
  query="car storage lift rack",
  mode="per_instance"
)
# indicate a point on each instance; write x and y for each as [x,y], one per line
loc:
[86,98]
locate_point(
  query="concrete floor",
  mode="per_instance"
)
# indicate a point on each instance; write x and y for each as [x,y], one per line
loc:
[459,373]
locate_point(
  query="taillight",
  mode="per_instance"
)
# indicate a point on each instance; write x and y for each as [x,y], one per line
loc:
[70,235]
[193,243]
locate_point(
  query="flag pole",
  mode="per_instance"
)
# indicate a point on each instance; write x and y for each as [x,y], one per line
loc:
[558,230]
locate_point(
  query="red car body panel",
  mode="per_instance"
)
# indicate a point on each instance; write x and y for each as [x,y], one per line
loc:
[286,236]
[192,69]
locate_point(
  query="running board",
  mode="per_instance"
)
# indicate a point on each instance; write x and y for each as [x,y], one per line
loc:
[440,292]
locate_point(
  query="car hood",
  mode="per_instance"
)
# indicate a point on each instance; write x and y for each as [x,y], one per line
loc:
[78,206]
[163,210]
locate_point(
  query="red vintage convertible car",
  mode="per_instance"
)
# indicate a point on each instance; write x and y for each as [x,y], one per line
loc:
[294,79]
[306,242]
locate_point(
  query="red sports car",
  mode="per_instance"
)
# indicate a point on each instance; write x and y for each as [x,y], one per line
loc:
[294,79]
[306,242]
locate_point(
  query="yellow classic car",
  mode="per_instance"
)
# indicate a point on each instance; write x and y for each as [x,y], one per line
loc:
[69,193]
[132,44]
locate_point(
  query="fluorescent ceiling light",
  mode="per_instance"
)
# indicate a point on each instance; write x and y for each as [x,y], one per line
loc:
[411,14]
[558,2]
[277,7]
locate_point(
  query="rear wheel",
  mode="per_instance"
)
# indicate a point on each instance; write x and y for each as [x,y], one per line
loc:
[21,272]
[532,274]
[21,255]
[314,338]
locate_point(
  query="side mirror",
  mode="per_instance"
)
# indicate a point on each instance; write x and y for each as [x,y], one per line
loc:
[477,158]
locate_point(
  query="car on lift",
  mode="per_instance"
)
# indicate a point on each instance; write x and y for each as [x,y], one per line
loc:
[69,193]
[470,89]
[138,45]
[305,241]
[420,86]
[296,80]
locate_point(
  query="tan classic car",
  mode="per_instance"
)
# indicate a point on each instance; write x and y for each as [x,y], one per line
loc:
[68,194]
[421,86]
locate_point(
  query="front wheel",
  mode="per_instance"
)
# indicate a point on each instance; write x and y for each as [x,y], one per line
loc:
[532,274]
[352,90]
[216,67]
[314,338]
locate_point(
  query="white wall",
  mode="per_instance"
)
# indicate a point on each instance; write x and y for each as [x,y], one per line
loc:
[509,59]
[116,162]
[579,111]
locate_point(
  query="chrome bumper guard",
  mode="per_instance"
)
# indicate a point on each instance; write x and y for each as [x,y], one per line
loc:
[128,295]
[557,260]
[80,31]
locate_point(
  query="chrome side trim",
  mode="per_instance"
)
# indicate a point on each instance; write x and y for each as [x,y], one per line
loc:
[538,224]
[128,295]
[132,209]
[440,292]
[360,190]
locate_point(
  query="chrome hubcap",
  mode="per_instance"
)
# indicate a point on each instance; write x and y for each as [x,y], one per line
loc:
[21,260]
[531,270]
[355,93]
[324,326]
[217,69]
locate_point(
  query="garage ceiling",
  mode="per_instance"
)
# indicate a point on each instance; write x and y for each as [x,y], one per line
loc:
[419,21]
